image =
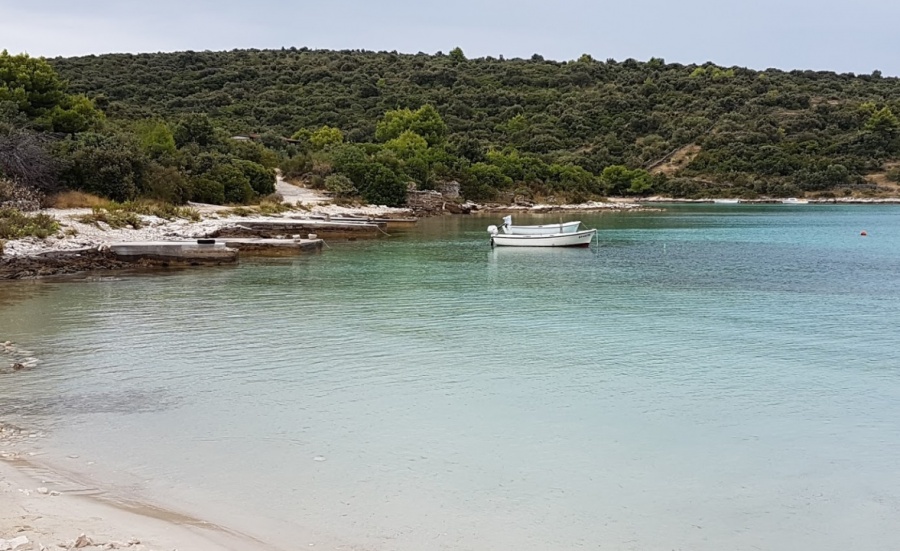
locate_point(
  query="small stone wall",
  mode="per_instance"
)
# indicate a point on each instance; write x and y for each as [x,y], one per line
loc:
[425,200]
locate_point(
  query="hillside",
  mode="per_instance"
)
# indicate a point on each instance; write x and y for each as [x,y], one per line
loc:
[763,132]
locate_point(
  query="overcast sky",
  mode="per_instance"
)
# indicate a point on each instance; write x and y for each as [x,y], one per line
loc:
[841,36]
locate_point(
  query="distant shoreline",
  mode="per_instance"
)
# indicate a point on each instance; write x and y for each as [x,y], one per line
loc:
[780,201]
[78,248]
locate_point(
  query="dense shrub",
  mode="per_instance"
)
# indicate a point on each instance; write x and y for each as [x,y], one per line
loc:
[340,186]
[206,190]
[380,185]
[110,165]
[262,179]
[235,184]
[165,183]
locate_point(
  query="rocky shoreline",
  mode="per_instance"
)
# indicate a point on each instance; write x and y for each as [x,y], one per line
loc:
[37,266]
[80,246]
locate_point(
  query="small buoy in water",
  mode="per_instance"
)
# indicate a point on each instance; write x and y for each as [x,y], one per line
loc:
[863,233]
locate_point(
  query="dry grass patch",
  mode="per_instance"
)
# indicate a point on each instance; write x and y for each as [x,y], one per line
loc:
[75,200]
[243,212]
[116,218]
[166,211]
[679,159]
[888,180]
[269,208]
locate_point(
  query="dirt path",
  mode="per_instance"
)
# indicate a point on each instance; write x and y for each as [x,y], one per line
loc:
[295,194]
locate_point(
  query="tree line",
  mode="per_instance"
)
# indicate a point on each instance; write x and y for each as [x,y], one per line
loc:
[53,140]
[370,123]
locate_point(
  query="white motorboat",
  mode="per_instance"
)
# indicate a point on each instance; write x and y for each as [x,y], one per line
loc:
[795,201]
[571,239]
[544,229]
[726,201]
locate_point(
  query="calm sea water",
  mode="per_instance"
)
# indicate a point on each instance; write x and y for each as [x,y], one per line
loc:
[708,378]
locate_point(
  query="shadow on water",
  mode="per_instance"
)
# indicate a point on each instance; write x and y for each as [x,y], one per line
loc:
[57,406]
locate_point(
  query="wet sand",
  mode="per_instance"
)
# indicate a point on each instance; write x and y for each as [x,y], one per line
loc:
[54,510]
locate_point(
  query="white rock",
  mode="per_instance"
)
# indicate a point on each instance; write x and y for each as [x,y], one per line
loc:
[83,541]
[15,543]
[43,490]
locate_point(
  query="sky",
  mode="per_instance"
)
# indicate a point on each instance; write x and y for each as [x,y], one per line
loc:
[830,35]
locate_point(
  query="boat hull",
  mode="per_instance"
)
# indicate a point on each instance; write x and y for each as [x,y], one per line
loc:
[546,229]
[574,239]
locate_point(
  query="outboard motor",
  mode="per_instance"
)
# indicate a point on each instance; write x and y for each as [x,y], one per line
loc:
[492,229]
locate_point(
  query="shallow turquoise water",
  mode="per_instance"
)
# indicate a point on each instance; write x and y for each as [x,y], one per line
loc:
[709,377]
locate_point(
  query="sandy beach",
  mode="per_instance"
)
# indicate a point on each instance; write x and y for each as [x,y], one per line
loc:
[46,508]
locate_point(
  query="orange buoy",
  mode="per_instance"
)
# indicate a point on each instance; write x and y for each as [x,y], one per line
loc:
[863,233]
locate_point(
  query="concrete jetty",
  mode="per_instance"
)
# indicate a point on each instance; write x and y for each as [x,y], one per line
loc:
[388,222]
[199,251]
[272,247]
[281,227]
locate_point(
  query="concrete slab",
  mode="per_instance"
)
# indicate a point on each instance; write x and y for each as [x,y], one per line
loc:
[272,246]
[188,252]
[278,228]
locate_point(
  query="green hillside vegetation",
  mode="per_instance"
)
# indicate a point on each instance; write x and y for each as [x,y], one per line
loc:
[52,139]
[366,123]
